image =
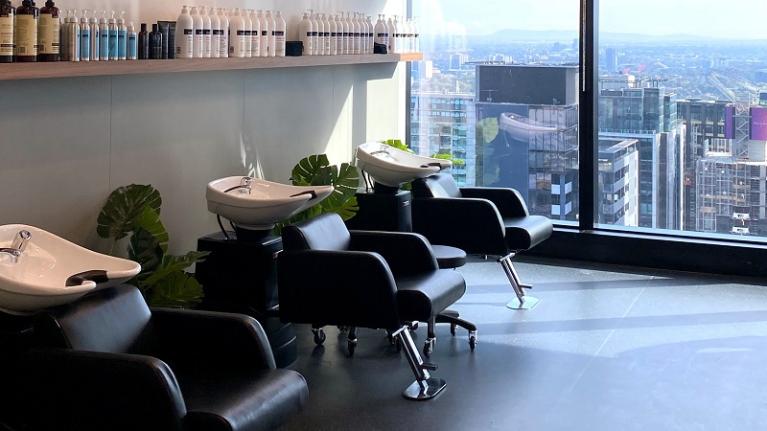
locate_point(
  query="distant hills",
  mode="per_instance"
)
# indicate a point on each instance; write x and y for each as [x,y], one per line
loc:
[513,35]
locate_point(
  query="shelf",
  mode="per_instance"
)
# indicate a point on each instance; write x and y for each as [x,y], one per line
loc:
[64,69]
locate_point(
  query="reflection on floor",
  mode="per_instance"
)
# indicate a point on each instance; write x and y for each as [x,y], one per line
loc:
[614,349]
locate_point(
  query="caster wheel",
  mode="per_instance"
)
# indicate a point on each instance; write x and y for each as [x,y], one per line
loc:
[319,337]
[452,329]
[472,342]
[351,345]
[428,348]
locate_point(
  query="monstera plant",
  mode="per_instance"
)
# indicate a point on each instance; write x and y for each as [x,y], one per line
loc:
[134,211]
[316,170]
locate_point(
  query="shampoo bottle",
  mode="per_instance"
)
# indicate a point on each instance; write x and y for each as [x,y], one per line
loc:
[343,46]
[320,49]
[371,35]
[93,26]
[327,35]
[224,47]
[49,33]
[198,36]
[247,26]
[237,39]
[85,37]
[280,31]
[114,53]
[7,36]
[155,43]
[380,31]
[73,37]
[122,38]
[255,35]
[143,43]
[104,37]
[315,33]
[184,35]
[333,35]
[132,42]
[207,37]
[305,33]
[215,36]
[27,17]
[267,41]
[392,44]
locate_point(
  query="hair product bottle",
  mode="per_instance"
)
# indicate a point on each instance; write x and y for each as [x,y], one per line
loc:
[247,26]
[224,47]
[7,36]
[85,37]
[371,34]
[155,43]
[207,36]
[132,42]
[255,35]
[104,37]
[199,41]
[93,27]
[143,43]
[27,17]
[267,24]
[237,38]
[343,43]
[334,35]
[122,38]
[280,30]
[305,33]
[114,53]
[215,33]
[49,33]
[327,35]
[73,37]
[320,47]
[184,35]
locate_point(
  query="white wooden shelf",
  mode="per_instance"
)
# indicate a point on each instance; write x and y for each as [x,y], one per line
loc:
[63,69]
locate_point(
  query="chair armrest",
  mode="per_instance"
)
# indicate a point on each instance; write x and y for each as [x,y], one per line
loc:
[508,201]
[203,340]
[348,288]
[406,253]
[78,390]
[473,225]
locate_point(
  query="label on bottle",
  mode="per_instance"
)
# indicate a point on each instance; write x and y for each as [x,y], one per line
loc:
[6,36]
[85,43]
[48,35]
[26,35]
[104,45]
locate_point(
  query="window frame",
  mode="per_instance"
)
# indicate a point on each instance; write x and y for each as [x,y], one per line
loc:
[678,250]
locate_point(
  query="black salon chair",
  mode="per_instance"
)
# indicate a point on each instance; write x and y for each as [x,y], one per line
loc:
[485,221]
[106,362]
[330,276]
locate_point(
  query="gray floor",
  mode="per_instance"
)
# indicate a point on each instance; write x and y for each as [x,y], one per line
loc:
[609,349]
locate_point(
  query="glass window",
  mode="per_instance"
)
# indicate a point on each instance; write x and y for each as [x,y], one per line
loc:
[683,126]
[507,77]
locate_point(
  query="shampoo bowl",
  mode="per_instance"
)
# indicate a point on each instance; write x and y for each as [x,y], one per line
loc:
[392,167]
[52,271]
[256,204]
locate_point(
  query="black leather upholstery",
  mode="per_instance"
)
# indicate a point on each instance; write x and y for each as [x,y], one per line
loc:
[370,279]
[491,221]
[107,362]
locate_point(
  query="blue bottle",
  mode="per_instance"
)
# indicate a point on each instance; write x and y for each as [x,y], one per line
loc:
[104,34]
[85,38]
[122,38]
[114,53]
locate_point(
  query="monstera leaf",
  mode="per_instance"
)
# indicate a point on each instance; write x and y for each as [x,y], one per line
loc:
[135,210]
[123,207]
[312,171]
[343,201]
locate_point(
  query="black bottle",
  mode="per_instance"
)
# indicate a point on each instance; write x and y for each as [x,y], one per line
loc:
[143,43]
[155,43]
[7,18]
[49,33]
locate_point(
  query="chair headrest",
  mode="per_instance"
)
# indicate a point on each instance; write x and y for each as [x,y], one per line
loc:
[441,185]
[326,232]
[110,320]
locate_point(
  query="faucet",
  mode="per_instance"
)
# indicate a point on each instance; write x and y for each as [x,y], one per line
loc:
[19,244]
[246,185]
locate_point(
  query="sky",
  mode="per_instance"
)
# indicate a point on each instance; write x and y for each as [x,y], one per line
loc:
[733,19]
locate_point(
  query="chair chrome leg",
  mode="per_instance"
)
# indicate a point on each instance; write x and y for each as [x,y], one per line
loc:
[522,301]
[425,386]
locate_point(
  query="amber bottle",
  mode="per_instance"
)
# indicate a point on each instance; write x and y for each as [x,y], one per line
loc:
[7,36]
[27,17]
[49,33]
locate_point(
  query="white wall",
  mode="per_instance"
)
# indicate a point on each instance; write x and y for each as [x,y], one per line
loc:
[66,143]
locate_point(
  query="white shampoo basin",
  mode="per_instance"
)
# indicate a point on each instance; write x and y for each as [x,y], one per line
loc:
[52,271]
[392,167]
[262,205]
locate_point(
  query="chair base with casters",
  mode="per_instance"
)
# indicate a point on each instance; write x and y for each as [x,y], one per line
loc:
[482,221]
[329,276]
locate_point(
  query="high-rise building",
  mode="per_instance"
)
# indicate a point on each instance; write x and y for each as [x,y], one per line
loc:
[618,182]
[704,121]
[443,123]
[527,134]
[646,115]
[611,60]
